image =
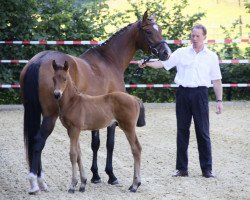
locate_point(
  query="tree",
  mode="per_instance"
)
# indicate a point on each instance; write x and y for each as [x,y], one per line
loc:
[45,20]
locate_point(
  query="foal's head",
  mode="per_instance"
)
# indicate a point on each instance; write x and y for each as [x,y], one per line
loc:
[60,78]
[151,35]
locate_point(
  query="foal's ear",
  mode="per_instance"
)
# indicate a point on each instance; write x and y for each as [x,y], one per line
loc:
[54,65]
[66,65]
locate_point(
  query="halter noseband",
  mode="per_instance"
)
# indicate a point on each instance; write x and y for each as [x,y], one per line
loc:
[152,47]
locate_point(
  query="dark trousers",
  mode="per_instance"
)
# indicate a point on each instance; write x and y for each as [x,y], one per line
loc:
[193,102]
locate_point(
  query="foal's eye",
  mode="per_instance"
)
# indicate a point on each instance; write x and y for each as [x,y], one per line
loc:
[64,79]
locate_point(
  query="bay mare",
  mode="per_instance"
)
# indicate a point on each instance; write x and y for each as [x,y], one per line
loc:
[100,70]
[80,111]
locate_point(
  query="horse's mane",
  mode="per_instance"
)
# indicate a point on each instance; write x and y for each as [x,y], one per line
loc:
[117,33]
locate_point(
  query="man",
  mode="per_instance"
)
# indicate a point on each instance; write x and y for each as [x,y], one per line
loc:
[197,67]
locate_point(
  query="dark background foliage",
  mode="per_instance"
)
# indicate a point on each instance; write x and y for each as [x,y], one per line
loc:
[87,20]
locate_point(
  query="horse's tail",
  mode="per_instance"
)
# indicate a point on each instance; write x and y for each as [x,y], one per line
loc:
[141,119]
[32,107]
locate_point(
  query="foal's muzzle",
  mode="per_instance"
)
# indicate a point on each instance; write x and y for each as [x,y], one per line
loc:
[57,94]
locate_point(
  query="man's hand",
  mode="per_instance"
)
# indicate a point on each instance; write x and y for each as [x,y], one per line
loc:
[219,107]
[140,64]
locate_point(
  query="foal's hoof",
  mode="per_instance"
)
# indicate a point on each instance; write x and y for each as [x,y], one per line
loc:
[82,189]
[132,189]
[71,191]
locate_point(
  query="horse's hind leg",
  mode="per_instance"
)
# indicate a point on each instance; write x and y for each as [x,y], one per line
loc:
[82,172]
[136,151]
[110,148]
[95,144]
[46,128]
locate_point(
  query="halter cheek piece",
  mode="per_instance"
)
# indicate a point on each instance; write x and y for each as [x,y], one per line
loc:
[152,47]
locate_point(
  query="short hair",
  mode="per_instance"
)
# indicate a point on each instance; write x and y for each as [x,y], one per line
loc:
[200,26]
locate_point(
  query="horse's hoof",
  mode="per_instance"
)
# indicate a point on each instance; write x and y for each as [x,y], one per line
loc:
[113,182]
[82,189]
[71,191]
[95,181]
[112,179]
[34,191]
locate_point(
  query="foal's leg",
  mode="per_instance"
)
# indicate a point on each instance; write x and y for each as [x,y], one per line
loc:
[136,151]
[47,126]
[74,137]
[82,172]
[95,144]
[110,148]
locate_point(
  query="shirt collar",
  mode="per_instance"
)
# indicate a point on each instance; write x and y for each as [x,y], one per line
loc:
[205,49]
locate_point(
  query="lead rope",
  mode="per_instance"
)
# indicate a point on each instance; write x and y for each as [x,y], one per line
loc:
[139,71]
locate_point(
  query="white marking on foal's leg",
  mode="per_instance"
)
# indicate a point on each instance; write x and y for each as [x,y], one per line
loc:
[34,189]
[42,183]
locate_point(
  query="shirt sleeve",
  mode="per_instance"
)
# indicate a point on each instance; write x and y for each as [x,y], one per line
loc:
[215,72]
[172,61]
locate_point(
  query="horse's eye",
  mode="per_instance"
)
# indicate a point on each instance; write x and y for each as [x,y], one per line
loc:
[149,32]
[64,79]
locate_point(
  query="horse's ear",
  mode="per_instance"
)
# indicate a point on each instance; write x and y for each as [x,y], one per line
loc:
[152,18]
[145,16]
[54,65]
[66,65]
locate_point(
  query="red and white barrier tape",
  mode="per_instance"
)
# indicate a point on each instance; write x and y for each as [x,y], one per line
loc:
[94,42]
[151,85]
[135,62]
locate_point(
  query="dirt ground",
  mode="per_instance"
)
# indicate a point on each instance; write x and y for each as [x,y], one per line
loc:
[230,135]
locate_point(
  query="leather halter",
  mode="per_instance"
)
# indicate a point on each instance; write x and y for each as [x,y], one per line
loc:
[152,47]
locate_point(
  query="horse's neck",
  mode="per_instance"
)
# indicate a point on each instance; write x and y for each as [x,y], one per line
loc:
[119,49]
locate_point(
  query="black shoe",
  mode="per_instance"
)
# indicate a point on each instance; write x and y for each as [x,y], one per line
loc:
[180,173]
[208,174]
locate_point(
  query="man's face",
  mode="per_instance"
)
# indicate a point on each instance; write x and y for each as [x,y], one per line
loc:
[197,37]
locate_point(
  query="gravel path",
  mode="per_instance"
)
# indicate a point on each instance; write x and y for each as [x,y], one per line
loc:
[230,134]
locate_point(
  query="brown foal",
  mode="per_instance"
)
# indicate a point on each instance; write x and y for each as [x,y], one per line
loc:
[80,111]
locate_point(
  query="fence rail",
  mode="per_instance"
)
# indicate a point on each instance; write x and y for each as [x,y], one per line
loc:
[94,42]
[235,61]
[232,85]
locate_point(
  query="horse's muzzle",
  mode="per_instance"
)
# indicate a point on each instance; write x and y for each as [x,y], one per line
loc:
[165,54]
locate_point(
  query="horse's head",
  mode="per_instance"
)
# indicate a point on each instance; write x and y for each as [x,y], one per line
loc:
[60,78]
[151,35]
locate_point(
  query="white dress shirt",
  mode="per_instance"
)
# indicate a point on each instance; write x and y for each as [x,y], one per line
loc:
[194,69]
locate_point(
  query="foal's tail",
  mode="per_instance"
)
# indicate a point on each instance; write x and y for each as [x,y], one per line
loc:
[141,119]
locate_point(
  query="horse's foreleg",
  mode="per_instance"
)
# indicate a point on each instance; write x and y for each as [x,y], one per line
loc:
[110,147]
[95,144]
[82,172]
[46,128]
[136,151]
[74,137]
